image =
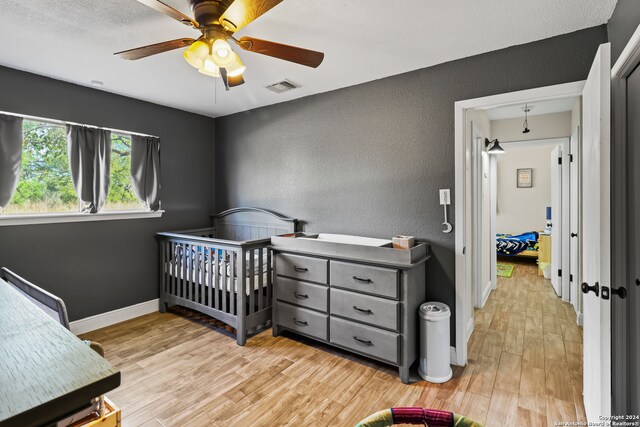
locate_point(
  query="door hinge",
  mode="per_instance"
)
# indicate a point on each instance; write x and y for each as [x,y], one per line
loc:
[571,277]
[559,272]
[559,160]
[571,157]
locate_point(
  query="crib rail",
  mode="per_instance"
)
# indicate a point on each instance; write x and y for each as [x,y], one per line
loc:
[228,280]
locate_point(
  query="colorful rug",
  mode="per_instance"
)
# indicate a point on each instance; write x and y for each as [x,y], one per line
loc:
[505,270]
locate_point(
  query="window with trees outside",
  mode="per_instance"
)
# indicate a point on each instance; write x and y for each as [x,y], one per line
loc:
[45,183]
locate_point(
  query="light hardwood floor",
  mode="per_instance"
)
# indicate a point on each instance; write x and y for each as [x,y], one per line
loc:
[525,369]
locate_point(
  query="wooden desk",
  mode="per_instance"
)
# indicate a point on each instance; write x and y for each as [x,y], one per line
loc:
[46,372]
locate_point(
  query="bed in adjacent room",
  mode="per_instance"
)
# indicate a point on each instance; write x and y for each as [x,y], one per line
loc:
[223,271]
[522,245]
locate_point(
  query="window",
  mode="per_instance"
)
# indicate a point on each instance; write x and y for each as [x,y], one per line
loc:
[121,196]
[45,185]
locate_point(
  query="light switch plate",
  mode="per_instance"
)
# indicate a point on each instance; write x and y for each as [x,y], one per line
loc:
[445,197]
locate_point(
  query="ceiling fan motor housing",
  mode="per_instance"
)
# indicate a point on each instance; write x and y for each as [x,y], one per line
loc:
[208,12]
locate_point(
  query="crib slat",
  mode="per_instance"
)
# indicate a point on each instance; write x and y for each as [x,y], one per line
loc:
[260,280]
[269,279]
[183,274]
[197,257]
[223,285]
[252,281]
[210,276]
[216,278]
[233,281]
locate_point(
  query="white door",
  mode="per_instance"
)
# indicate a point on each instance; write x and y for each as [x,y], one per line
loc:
[556,219]
[574,226]
[596,251]
[565,256]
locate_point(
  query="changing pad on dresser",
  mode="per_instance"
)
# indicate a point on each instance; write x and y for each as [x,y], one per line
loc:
[351,240]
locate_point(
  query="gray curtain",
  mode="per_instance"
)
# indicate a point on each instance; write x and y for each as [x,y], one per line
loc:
[90,163]
[10,156]
[145,170]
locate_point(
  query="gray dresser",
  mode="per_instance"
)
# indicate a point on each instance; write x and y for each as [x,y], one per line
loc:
[360,298]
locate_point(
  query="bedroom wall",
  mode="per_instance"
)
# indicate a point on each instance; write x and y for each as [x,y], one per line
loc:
[523,209]
[369,159]
[104,265]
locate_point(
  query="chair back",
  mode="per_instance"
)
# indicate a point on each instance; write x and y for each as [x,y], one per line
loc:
[46,301]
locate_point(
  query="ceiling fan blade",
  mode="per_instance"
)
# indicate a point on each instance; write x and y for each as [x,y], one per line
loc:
[242,12]
[171,12]
[307,57]
[153,49]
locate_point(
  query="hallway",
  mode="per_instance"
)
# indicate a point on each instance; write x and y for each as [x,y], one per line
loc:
[526,352]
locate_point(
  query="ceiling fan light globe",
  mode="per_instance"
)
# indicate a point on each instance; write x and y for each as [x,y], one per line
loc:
[196,54]
[222,53]
[236,68]
[210,64]
[214,73]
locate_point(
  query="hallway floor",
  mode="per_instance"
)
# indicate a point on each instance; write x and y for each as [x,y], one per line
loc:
[526,353]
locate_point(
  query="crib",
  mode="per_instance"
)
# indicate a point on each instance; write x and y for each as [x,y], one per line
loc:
[223,271]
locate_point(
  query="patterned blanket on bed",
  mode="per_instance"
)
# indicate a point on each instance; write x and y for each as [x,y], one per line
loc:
[513,245]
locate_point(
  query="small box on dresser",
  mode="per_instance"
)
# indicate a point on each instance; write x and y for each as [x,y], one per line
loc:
[357,297]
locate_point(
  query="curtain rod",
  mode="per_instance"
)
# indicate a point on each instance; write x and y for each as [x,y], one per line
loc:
[63,122]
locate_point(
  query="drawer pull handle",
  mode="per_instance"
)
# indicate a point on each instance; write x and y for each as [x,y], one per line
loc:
[362,310]
[300,296]
[359,279]
[300,322]
[300,269]
[361,341]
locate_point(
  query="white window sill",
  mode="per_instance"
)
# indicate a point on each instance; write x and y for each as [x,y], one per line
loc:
[75,217]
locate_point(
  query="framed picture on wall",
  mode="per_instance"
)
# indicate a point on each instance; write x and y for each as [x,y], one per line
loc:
[525,178]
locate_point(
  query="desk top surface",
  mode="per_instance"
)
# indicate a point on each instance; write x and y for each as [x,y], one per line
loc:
[45,370]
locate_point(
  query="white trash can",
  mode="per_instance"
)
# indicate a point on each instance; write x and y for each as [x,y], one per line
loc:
[434,342]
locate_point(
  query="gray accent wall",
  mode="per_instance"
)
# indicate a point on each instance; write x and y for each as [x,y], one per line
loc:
[104,265]
[369,159]
[622,25]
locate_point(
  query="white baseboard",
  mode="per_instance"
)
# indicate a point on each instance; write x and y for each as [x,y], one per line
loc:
[485,294]
[580,319]
[452,355]
[470,326]
[109,318]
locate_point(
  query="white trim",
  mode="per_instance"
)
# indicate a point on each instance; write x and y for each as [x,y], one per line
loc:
[452,355]
[580,319]
[109,318]
[629,58]
[470,327]
[485,295]
[462,280]
[76,217]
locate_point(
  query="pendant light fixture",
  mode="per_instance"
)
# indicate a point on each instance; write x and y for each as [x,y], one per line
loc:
[525,125]
[493,147]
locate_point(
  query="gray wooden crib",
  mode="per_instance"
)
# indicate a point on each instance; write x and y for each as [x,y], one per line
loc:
[201,269]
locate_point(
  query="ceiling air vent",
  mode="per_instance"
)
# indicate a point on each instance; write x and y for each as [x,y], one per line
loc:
[282,86]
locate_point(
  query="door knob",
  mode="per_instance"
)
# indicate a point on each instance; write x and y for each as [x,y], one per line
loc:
[595,288]
[574,234]
[621,292]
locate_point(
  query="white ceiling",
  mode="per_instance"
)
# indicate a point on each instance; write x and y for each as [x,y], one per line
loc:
[537,108]
[363,40]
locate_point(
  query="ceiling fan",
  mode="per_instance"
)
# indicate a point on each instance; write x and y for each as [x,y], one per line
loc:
[218,20]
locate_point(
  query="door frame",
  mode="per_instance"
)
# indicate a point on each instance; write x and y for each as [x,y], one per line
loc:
[464,216]
[627,62]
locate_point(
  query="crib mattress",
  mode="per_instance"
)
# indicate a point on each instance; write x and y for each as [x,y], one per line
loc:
[199,279]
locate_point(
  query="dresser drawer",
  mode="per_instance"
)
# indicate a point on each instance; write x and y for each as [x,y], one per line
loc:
[302,267]
[375,311]
[365,339]
[365,278]
[302,293]
[302,320]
